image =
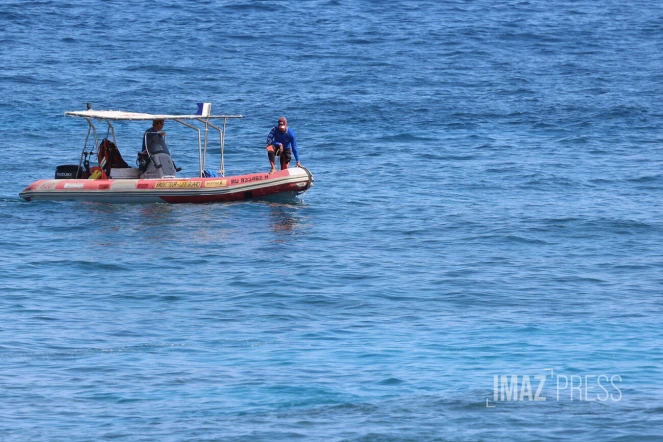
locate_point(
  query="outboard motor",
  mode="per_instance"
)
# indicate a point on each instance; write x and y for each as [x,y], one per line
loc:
[68,172]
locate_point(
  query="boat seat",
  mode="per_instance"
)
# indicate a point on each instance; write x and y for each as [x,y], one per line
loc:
[159,166]
[125,173]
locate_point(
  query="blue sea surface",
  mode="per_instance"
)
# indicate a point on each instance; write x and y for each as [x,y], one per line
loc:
[485,230]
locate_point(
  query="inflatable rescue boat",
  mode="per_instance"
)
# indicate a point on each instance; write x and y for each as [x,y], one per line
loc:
[114,181]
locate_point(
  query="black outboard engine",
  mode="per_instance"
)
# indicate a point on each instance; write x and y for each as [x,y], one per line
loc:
[68,172]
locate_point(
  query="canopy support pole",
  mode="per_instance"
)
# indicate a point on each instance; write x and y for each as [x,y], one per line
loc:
[205,151]
[223,141]
[94,131]
[200,149]
[222,133]
[112,128]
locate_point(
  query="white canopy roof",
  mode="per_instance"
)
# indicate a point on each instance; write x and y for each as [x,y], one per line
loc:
[122,115]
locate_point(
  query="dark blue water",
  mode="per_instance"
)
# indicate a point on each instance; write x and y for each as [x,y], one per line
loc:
[486,214]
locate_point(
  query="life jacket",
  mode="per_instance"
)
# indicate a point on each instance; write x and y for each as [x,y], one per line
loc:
[109,156]
[97,174]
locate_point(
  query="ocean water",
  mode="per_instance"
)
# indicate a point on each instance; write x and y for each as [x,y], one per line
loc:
[485,230]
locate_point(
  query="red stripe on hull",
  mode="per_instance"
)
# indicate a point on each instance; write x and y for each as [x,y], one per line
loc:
[235,196]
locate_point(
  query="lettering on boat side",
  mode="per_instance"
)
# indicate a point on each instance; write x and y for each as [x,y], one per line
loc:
[46,186]
[178,184]
[215,183]
[73,185]
[250,179]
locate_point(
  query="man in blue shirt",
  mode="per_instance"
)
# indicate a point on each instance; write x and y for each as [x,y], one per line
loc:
[281,141]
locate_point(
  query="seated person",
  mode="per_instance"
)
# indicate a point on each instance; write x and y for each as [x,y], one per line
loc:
[159,163]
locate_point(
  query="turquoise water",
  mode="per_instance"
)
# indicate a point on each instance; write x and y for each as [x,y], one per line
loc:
[486,204]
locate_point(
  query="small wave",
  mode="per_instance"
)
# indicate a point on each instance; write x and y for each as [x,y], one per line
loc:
[391,381]
[522,239]
[578,139]
[249,6]
[361,41]
[618,223]
[76,353]
[13,200]
[458,157]
[21,79]
[645,179]
[82,265]
[612,225]
[578,279]
[405,137]
[599,181]
[631,267]
[553,183]
[14,17]
[561,220]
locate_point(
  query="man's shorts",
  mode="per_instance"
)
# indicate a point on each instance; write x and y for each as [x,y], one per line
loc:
[287,155]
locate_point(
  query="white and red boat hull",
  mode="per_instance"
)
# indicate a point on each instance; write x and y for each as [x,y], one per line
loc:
[287,183]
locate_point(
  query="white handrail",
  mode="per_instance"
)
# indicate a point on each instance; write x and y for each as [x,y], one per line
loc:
[200,150]
[222,136]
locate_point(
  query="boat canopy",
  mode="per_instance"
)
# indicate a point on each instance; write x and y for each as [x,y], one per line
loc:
[117,115]
[122,115]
